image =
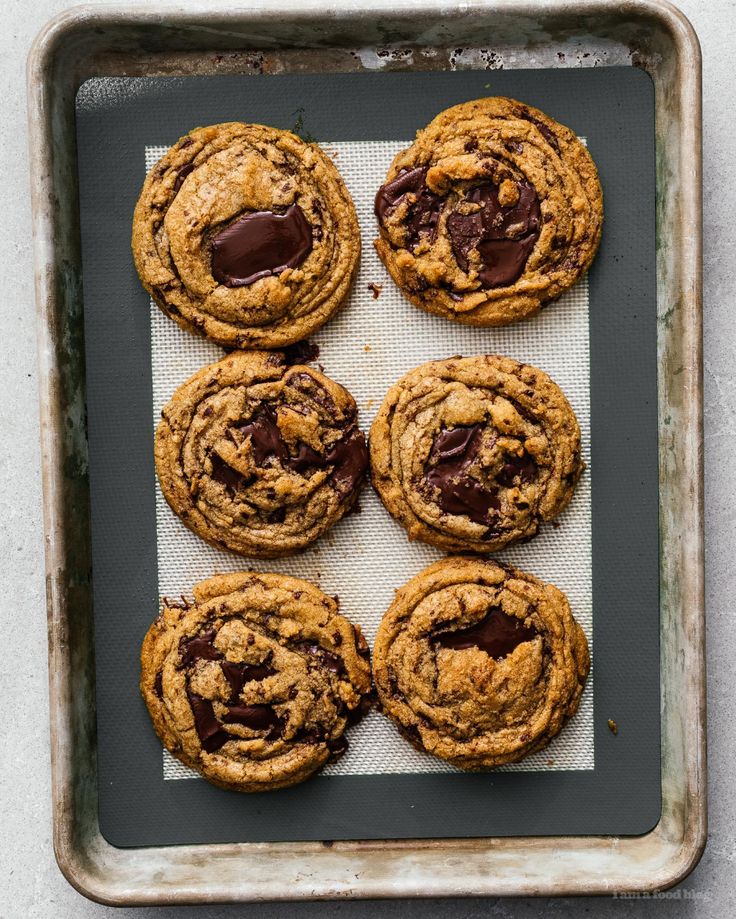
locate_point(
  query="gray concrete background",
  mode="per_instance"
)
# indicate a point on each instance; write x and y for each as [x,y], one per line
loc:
[30,883]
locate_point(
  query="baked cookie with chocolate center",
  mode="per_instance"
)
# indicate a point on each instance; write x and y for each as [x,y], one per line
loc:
[470,454]
[247,235]
[479,663]
[494,210]
[258,456]
[254,684]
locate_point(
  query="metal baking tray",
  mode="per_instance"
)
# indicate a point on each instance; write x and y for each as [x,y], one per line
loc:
[208,38]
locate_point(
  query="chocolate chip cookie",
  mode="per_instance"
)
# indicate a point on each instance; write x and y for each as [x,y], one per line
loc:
[247,235]
[254,683]
[470,454]
[258,456]
[494,210]
[478,663]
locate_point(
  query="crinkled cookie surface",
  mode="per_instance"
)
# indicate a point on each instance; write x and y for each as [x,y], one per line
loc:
[247,235]
[479,664]
[254,684]
[493,211]
[258,456]
[471,454]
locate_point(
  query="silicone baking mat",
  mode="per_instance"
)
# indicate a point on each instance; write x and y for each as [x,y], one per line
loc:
[598,342]
[364,559]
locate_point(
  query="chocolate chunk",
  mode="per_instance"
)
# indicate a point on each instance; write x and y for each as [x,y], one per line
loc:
[209,730]
[422,215]
[306,458]
[504,260]
[308,386]
[198,648]
[360,643]
[226,475]
[389,195]
[310,736]
[465,495]
[543,129]
[301,352]
[459,493]
[522,466]
[337,747]
[487,230]
[265,437]
[260,244]
[158,684]
[354,715]
[257,717]
[267,442]
[497,634]
[457,442]
[330,661]
[238,675]
[181,174]
[349,456]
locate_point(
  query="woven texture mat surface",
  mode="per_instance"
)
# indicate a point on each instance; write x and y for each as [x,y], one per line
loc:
[367,347]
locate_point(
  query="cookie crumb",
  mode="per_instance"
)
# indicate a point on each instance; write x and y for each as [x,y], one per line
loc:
[612,726]
[369,404]
[375,289]
[367,348]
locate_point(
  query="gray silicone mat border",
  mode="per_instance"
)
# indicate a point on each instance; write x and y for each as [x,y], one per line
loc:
[614,109]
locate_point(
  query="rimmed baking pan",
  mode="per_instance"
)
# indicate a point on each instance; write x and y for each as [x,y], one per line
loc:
[86,45]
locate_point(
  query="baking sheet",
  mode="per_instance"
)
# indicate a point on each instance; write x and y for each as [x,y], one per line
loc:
[116,118]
